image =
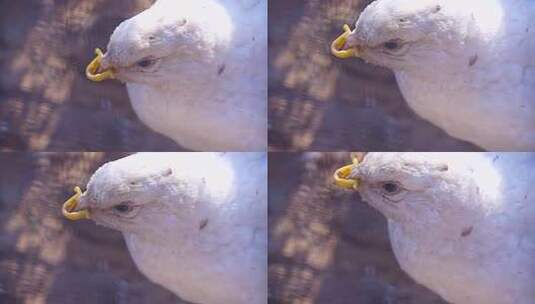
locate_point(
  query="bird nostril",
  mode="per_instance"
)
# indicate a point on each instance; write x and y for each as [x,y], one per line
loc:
[104,65]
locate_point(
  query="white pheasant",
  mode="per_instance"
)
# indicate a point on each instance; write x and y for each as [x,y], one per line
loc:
[195,223]
[196,71]
[462,224]
[466,66]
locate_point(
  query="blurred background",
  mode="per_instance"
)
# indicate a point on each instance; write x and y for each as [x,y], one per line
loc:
[46,103]
[320,103]
[45,258]
[326,246]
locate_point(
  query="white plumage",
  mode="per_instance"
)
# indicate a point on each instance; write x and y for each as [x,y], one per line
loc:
[196,71]
[466,66]
[194,223]
[462,224]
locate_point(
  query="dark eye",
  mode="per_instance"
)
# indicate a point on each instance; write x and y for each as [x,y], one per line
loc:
[391,188]
[392,45]
[146,62]
[123,208]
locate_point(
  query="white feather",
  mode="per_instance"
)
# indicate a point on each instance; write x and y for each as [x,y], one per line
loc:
[465,224]
[200,225]
[209,92]
[469,67]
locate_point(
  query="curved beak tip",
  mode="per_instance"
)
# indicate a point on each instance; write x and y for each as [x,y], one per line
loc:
[338,46]
[94,70]
[341,177]
[69,207]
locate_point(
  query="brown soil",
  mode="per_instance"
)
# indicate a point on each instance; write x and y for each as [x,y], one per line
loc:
[46,103]
[321,103]
[47,259]
[325,244]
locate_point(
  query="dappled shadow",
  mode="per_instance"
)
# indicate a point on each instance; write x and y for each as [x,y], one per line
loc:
[321,103]
[46,103]
[327,246]
[47,259]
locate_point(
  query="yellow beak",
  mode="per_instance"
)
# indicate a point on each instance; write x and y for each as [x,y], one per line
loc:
[92,69]
[71,204]
[341,177]
[339,43]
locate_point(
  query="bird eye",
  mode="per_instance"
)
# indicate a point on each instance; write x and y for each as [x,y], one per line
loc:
[146,62]
[123,208]
[391,188]
[392,45]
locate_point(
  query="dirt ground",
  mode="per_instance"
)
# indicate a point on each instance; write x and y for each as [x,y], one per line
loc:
[321,103]
[325,245]
[45,258]
[46,103]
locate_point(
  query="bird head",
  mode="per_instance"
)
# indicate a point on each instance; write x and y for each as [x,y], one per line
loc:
[155,194]
[426,187]
[168,43]
[403,34]
[123,195]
